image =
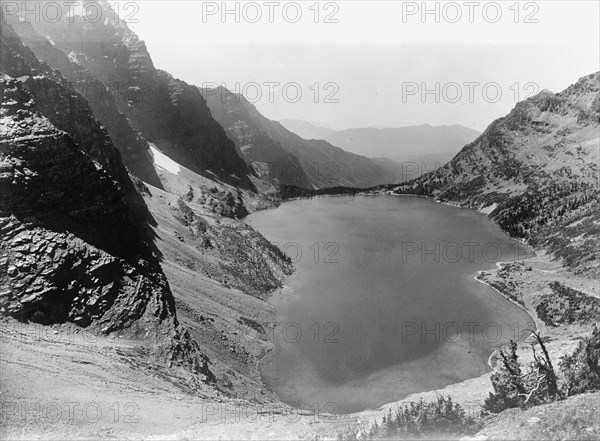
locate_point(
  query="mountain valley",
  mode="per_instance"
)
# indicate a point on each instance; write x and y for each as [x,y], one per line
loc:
[280,155]
[132,283]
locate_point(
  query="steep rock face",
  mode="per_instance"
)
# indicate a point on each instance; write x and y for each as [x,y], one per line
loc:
[243,125]
[48,185]
[169,113]
[69,111]
[286,157]
[73,246]
[537,171]
[133,148]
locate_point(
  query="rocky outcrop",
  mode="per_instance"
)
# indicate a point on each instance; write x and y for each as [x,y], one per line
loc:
[536,170]
[55,277]
[69,112]
[167,111]
[134,149]
[58,204]
[282,156]
[74,241]
[246,260]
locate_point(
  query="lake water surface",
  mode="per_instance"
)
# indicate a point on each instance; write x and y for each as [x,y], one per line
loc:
[383,302]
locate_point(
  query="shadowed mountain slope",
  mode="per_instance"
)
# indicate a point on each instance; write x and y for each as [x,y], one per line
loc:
[167,111]
[76,246]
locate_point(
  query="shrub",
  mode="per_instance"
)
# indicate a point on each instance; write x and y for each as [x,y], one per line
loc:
[567,305]
[580,369]
[440,417]
[515,388]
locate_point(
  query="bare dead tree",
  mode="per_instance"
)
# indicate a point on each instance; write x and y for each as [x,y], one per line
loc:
[547,368]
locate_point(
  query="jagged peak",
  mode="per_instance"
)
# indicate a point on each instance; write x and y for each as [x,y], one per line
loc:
[586,84]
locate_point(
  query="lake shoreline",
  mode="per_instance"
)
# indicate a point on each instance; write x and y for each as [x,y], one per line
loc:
[499,266]
[264,359]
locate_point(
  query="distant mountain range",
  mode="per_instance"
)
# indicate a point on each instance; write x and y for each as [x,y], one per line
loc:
[535,171]
[414,149]
[278,154]
[403,143]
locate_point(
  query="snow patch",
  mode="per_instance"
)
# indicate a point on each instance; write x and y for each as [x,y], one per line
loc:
[23,78]
[488,209]
[72,56]
[163,161]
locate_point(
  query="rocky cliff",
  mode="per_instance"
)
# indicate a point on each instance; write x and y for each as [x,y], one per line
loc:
[134,149]
[167,111]
[69,111]
[83,244]
[75,242]
[535,171]
[244,125]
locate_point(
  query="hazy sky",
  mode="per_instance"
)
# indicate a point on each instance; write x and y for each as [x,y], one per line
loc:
[374,63]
